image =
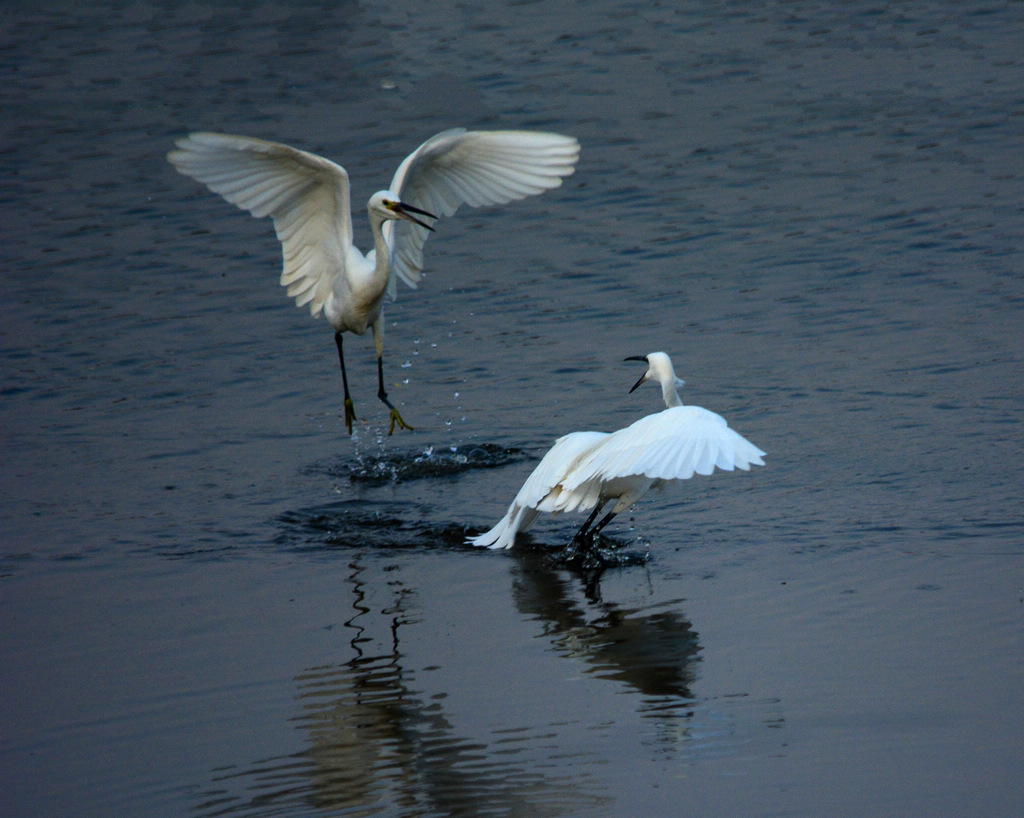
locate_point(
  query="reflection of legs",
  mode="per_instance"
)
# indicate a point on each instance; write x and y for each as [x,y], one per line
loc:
[350,412]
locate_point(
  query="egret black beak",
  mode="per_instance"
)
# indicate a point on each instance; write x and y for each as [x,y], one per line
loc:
[642,377]
[407,210]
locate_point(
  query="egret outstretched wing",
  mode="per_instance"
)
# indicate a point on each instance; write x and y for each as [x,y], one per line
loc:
[306,195]
[673,444]
[477,168]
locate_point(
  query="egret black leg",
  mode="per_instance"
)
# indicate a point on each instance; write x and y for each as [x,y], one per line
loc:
[604,521]
[396,418]
[583,534]
[350,413]
[586,536]
[582,552]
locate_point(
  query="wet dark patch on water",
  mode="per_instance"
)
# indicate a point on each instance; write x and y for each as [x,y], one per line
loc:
[366,524]
[383,525]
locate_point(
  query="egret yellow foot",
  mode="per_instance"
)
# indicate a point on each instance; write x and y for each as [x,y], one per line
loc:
[350,413]
[397,418]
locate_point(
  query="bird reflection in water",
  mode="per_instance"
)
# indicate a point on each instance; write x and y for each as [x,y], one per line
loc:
[653,652]
[375,743]
[375,740]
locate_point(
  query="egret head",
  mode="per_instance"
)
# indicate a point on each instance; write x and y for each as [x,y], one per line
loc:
[385,205]
[659,368]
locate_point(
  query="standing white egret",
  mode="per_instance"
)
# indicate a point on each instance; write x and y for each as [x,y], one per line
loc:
[584,471]
[307,196]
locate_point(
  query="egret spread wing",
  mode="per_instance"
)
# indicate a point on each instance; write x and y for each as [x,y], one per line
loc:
[306,195]
[477,168]
[673,444]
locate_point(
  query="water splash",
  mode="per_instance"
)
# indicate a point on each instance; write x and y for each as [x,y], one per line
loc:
[398,465]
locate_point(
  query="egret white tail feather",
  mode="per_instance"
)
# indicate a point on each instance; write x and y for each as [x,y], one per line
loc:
[584,471]
[307,197]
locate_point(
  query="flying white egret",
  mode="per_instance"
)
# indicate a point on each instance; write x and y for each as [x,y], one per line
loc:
[584,471]
[307,196]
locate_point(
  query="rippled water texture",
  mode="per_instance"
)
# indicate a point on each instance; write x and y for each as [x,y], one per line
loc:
[215,602]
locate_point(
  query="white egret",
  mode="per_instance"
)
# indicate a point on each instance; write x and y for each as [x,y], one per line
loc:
[584,471]
[307,196]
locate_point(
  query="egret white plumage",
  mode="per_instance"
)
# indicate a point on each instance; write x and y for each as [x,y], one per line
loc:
[584,471]
[307,196]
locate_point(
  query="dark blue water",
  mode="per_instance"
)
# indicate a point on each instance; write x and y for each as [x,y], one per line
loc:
[215,602]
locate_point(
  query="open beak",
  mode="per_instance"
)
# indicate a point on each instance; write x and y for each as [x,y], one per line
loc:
[406,211]
[642,377]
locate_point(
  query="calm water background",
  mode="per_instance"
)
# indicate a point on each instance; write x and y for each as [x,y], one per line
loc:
[214,602]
